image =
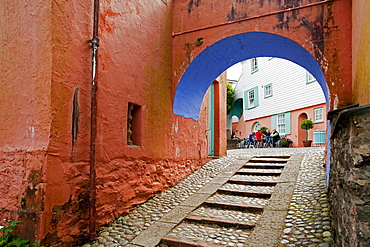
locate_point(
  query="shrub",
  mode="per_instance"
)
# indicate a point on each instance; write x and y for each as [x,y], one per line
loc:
[230,97]
[263,130]
[8,240]
[306,124]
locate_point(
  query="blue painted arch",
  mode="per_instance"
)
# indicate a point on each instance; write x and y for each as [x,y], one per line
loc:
[216,58]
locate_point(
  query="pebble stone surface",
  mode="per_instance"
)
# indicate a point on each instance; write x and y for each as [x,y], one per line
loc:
[307,223]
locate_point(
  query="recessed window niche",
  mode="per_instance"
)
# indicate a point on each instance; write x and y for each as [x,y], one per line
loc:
[134,124]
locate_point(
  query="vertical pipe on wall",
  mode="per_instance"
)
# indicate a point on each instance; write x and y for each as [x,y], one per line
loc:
[93,115]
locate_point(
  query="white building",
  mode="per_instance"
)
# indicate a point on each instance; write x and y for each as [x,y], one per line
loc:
[278,94]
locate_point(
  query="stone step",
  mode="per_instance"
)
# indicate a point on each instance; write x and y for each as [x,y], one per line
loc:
[267,160]
[195,233]
[234,206]
[251,182]
[257,172]
[171,241]
[264,165]
[221,222]
[244,193]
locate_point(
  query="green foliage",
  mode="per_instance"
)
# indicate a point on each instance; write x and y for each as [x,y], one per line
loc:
[285,142]
[263,130]
[8,240]
[230,97]
[307,124]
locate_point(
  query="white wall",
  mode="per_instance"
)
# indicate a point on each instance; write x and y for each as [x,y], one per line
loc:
[289,88]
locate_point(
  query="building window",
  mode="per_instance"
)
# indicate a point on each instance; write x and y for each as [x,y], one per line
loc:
[254,65]
[268,90]
[251,98]
[134,124]
[319,115]
[281,123]
[319,137]
[309,78]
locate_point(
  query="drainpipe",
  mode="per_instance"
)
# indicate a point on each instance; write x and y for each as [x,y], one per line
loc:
[93,114]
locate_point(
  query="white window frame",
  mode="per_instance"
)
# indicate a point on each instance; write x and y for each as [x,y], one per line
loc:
[266,88]
[319,115]
[254,65]
[251,98]
[309,78]
[281,123]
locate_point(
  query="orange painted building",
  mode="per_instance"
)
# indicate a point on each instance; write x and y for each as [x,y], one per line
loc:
[97,113]
[85,138]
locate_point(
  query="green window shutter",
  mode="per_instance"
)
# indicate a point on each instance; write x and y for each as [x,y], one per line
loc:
[287,123]
[256,103]
[273,122]
[246,100]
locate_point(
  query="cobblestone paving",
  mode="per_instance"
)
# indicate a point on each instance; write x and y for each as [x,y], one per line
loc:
[307,223]
[225,214]
[211,234]
[242,200]
[255,178]
[260,170]
[242,187]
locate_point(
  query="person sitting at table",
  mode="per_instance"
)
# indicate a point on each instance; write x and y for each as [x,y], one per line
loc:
[249,143]
[259,136]
[275,137]
[268,142]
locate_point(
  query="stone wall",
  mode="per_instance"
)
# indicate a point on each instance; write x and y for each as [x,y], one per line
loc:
[349,183]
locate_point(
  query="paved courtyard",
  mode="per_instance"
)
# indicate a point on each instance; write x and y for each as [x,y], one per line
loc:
[297,214]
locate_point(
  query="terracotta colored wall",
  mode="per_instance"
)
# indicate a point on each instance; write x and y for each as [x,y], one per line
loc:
[25,110]
[133,67]
[45,111]
[295,124]
[361,51]
[324,30]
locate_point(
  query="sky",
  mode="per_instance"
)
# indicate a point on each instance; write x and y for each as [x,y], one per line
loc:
[233,73]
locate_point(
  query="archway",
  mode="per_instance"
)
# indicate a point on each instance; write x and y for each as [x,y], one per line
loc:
[226,52]
[301,132]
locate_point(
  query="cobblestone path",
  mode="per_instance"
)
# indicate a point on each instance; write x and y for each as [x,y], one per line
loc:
[300,217]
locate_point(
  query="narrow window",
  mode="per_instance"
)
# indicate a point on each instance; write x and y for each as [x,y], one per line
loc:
[254,65]
[268,90]
[281,123]
[309,78]
[251,98]
[319,116]
[133,125]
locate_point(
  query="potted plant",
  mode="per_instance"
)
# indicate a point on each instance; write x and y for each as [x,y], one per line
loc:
[285,142]
[307,124]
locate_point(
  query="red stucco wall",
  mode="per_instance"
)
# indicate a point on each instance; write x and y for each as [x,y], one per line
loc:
[45,111]
[25,108]
[361,49]
[45,100]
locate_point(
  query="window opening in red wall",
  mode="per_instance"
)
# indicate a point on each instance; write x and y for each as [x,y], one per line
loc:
[134,124]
